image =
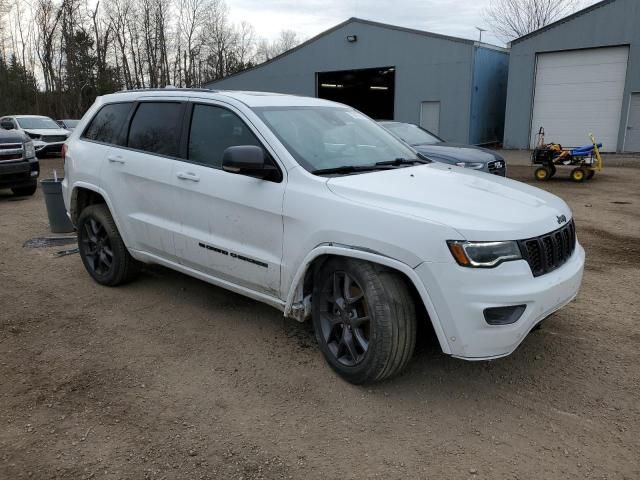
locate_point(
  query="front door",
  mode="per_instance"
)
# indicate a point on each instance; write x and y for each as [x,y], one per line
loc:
[230,225]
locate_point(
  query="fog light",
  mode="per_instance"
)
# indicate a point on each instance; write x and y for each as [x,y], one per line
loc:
[34,173]
[503,315]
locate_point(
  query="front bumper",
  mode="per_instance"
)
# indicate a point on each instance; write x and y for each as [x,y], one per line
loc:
[21,173]
[461,294]
[44,148]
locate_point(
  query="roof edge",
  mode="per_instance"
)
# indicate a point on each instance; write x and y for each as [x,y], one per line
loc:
[566,19]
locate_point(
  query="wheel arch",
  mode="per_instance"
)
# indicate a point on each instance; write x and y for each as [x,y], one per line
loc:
[302,281]
[83,195]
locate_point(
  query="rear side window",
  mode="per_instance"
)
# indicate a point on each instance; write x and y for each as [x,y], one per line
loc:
[156,127]
[106,126]
[214,129]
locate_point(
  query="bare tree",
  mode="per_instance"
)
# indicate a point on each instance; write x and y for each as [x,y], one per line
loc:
[65,52]
[287,39]
[193,16]
[510,19]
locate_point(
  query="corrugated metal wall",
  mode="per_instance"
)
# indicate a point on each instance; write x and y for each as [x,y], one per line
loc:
[427,68]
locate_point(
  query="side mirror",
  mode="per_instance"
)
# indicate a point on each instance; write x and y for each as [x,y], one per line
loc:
[7,125]
[248,160]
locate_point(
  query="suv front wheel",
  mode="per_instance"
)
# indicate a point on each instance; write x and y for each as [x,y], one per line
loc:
[103,252]
[364,319]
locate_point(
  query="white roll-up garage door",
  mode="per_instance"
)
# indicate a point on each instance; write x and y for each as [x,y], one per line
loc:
[579,92]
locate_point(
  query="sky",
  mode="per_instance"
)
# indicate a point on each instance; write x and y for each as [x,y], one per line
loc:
[309,17]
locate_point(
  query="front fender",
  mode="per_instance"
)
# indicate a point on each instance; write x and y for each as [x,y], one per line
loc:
[295,290]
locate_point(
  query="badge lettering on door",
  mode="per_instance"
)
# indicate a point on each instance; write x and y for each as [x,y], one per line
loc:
[233,255]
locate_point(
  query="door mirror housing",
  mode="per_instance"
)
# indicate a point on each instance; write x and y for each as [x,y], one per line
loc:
[249,160]
[6,125]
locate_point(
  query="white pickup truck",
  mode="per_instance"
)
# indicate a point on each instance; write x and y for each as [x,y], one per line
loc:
[313,208]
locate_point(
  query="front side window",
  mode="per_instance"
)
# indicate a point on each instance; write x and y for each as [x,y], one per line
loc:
[332,137]
[213,130]
[39,123]
[156,127]
[106,126]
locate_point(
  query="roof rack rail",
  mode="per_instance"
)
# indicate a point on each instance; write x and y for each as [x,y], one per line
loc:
[167,89]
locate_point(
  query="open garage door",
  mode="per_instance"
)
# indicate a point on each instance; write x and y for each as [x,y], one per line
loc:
[370,90]
[580,92]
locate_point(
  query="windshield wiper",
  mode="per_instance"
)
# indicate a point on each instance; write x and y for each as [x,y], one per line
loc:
[402,161]
[351,169]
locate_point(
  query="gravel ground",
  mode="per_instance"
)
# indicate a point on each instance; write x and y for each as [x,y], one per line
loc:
[170,377]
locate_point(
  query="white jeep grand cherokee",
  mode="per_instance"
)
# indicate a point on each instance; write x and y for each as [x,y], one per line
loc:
[315,209]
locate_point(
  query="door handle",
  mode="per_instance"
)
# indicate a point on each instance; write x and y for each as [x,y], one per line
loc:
[116,159]
[188,176]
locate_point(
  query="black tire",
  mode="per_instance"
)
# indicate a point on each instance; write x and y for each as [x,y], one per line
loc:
[384,299]
[542,174]
[25,191]
[102,250]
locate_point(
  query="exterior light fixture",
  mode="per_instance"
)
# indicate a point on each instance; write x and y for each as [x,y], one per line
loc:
[352,38]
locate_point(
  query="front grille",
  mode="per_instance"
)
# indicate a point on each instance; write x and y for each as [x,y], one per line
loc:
[548,252]
[54,138]
[10,151]
[9,157]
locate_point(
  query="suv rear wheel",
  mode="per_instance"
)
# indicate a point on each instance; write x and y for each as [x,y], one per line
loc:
[364,320]
[103,252]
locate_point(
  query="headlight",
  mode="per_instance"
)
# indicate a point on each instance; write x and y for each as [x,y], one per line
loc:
[474,165]
[484,254]
[29,150]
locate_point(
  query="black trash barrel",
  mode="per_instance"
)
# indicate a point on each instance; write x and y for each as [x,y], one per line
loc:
[58,220]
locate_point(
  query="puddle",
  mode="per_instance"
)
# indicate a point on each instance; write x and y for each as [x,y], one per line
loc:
[44,242]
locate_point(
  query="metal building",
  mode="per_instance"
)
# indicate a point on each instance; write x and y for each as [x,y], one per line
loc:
[452,86]
[577,76]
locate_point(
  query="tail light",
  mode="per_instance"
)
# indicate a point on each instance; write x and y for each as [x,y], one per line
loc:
[63,152]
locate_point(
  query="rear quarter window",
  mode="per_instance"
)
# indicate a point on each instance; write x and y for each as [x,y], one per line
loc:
[107,125]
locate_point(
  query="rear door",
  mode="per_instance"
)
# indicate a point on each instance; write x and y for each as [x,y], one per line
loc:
[139,174]
[230,225]
[632,140]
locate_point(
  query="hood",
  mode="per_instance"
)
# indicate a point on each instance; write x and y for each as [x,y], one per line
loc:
[12,136]
[454,152]
[480,206]
[48,131]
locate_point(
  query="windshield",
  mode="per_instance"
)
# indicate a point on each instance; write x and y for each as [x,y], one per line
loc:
[71,123]
[43,123]
[412,134]
[322,138]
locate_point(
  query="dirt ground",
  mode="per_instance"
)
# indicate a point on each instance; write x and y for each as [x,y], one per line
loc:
[170,377]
